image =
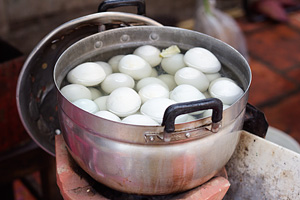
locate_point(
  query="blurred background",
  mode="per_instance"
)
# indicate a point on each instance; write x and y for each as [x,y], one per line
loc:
[266,32]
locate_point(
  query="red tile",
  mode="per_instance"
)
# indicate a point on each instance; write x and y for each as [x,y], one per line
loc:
[294,74]
[277,45]
[285,116]
[247,26]
[266,84]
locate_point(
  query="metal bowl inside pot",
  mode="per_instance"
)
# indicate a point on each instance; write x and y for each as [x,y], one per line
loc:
[133,158]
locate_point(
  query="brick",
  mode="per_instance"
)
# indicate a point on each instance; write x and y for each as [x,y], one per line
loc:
[266,84]
[274,46]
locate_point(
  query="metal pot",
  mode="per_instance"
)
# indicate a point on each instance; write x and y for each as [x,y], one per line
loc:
[152,160]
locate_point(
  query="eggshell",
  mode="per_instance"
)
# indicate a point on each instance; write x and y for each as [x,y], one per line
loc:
[114,62]
[149,80]
[87,105]
[108,115]
[123,102]
[192,76]
[101,102]
[87,74]
[173,63]
[168,80]
[117,80]
[155,109]
[202,59]
[73,92]
[153,90]
[135,66]
[139,119]
[149,53]
[226,90]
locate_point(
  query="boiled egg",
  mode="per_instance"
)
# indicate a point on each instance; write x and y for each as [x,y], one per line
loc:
[168,80]
[87,74]
[173,63]
[149,53]
[87,105]
[192,76]
[95,93]
[202,59]
[73,92]
[139,119]
[108,115]
[123,101]
[106,67]
[153,90]
[116,80]
[135,66]
[114,62]
[226,90]
[155,109]
[101,102]
[149,80]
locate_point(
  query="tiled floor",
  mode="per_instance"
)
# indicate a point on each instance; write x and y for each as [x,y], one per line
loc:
[274,51]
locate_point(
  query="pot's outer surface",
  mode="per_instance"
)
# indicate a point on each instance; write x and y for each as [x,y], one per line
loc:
[120,155]
[36,93]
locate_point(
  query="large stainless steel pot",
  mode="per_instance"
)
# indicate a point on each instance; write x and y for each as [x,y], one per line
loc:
[150,159]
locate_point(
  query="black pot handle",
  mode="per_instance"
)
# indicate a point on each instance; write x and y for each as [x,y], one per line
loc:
[255,121]
[188,107]
[107,4]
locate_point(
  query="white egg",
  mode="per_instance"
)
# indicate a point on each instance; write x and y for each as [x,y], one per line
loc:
[154,73]
[73,92]
[101,102]
[106,67]
[87,105]
[95,93]
[139,119]
[149,53]
[155,109]
[226,90]
[202,59]
[114,62]
[87,74]
[208,113]
[173,63]
[108,115]
[149,80]
[116,80]
[213,76]
[169,80]
[192,76]
[135,66]
[123,102]
[186,93]
[153,90]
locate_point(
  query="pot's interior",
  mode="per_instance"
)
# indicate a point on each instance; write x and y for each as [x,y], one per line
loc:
[114,42]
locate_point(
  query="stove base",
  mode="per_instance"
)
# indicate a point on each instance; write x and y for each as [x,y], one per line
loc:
[74,183]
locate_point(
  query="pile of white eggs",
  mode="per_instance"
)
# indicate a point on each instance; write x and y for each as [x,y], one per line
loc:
[129,89]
